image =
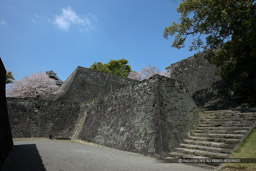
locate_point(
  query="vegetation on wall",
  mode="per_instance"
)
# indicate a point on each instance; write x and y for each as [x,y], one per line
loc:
[229,28]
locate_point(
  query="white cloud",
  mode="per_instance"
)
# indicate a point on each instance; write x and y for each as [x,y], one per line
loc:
[3,22]
[69,17]
[39,19]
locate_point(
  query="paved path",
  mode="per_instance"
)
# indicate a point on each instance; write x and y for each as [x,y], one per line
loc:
[49,155]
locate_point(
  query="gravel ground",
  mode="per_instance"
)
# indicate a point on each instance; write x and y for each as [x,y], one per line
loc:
[53,155]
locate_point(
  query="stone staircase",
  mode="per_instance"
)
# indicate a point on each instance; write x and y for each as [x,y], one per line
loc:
[217,135]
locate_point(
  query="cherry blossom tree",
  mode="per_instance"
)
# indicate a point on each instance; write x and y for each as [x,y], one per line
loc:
[37,85]
[135,75]
[146,73]
[165,73]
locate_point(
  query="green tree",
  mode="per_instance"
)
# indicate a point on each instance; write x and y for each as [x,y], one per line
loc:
[117,67]
[98,66]
[229,28]
[9,78]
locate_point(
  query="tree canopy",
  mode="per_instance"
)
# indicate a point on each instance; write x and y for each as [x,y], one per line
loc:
[229,28]
[117,67]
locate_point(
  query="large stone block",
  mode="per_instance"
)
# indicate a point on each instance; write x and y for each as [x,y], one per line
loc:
[5,132]
[84,84]
[206,87]
[195,72]
[151,117]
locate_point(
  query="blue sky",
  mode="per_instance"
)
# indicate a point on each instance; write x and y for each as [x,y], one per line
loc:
[59,35]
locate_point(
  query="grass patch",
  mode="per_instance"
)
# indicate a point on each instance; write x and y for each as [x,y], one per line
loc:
[246,150]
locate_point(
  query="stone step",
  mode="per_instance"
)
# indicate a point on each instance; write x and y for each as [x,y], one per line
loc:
[229,116]
[222,128]
[222,131]
[228,122]
[226,111]
[228,119]
[212,139]
[234,136]
[206,148]
[201,153]
[209,143]
[225,125]
[223,121]
[225,116]
[216,135]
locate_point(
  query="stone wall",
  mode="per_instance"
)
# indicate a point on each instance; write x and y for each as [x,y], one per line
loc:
[196,72]
[5,132]
[207,88]
[151,117]
[84,84]
[30,117]
[216,97]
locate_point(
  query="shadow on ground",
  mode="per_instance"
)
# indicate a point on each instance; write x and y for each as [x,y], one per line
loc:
[24,158]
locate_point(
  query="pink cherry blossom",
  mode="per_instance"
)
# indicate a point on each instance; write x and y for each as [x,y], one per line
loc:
[37,85]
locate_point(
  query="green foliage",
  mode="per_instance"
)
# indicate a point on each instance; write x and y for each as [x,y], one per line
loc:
[230,32]
[117,67]
[9,78]
[246,150]
[98,66]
